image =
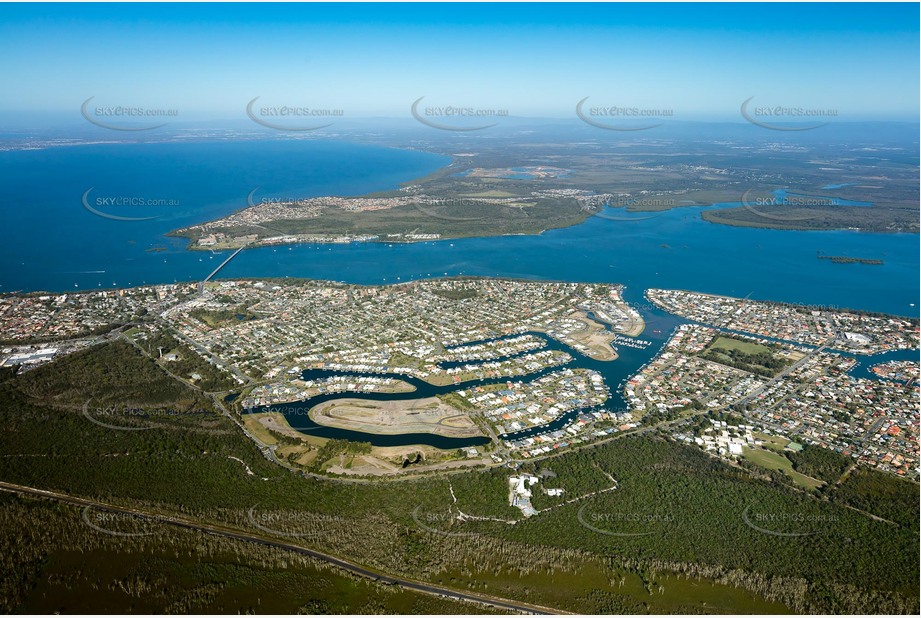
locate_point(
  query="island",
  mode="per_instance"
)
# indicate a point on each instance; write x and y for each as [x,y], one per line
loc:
[504,187]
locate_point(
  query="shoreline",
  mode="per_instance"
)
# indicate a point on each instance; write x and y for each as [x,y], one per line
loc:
[334,240]
[216,280]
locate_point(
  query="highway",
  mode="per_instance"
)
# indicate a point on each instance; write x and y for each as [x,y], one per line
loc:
[247,537]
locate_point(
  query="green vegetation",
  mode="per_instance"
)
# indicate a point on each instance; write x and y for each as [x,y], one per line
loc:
[729,344]
[110,374]
[774,461]
[820,463]
[472,218]
[458,294]
[456,401]
[872,219]
[701,550]
[745,355]
[333,449]
[667,180]
[776,443]
[69,567]
[187,363]
[843,259]
[882,494]
[216,318]
[398,359]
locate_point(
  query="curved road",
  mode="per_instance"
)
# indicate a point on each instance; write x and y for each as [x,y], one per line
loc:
[496,602]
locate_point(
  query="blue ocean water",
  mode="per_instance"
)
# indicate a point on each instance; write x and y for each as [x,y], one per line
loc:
[676,249]
[53,243]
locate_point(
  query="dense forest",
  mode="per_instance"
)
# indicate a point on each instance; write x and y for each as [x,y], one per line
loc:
[820,463]
[188,363]
[110,374]
[882,494]
[67,566]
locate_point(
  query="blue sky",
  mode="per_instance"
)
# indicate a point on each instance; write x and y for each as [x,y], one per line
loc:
[701,61]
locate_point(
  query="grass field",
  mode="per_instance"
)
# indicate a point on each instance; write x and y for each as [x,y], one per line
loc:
[775,461]
[747,347]
[775,443]
[745,355]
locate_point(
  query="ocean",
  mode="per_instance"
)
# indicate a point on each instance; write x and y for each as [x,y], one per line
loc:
[54,243]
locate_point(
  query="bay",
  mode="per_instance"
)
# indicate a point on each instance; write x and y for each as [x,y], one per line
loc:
[55,243]
[52,242]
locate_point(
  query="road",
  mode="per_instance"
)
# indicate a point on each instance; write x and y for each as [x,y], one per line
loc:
[247,537]
[201,286]
[780,376]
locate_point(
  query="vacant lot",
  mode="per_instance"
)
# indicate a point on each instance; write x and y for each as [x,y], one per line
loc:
[746,347]
[776,443]
[427,415]
[775,461]
[745,355]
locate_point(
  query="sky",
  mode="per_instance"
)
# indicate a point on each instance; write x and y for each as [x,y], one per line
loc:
[698,61]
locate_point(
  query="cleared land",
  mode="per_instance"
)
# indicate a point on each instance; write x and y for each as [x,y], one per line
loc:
[264,424]
[388,460]
[746,347]
[595,337]
[776,443]
[428,415]
[775,461]
[746,355]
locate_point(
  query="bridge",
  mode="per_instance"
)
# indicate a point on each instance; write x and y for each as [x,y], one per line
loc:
[201,285]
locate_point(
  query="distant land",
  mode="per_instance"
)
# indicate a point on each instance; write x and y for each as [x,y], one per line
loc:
[510,184]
